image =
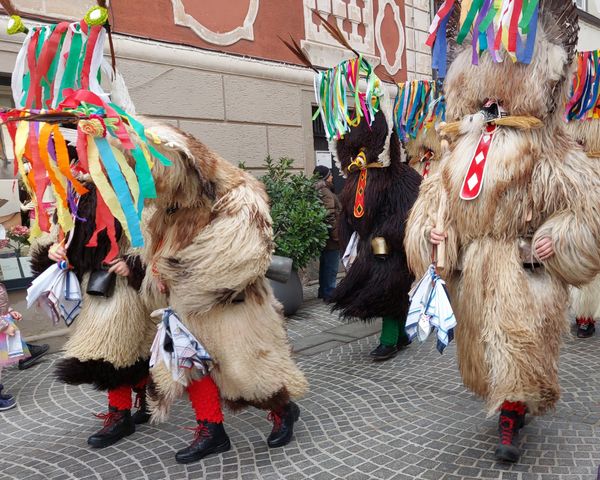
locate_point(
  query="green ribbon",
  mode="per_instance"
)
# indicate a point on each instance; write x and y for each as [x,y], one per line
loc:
[475,7]
[528,10]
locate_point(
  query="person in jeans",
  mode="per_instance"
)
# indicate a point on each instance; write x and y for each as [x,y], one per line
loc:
[330,256]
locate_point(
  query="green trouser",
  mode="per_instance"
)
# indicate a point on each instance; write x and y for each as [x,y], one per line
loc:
[392,331]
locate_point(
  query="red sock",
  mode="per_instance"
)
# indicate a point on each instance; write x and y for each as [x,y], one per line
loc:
[206,401]
[518,407]
[120,398]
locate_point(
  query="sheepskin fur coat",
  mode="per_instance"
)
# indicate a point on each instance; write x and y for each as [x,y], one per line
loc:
[510,306]
[210,241]
[109,342]
[375,287]
[585,301]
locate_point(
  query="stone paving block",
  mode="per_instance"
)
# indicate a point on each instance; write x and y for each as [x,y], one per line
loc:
[320,348]
[360,421]
[304,343]
[357,329]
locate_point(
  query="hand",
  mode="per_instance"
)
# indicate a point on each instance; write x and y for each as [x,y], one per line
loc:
[11,330]
[16,315]
[437,237]
[120,267]
[544,248]
[162,286]
[57,253]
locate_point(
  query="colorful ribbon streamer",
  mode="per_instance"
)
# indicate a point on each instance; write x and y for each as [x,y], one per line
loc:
[495,25]
[332,88]
[584,103]
[419,105]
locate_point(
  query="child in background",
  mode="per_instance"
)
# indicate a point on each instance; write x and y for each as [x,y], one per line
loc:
[12,347]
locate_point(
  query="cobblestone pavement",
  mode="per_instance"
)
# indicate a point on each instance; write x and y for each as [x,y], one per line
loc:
[404,419]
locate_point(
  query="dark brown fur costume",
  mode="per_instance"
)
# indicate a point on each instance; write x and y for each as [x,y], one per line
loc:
[373,287]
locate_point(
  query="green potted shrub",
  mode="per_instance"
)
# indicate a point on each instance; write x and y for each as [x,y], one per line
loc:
[299,226]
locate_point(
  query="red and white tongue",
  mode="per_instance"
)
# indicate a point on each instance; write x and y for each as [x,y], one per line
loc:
[475,176]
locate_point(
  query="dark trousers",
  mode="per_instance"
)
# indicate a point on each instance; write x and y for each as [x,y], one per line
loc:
[328,269]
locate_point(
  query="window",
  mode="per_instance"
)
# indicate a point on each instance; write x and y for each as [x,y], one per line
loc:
[15,270]
[582,4]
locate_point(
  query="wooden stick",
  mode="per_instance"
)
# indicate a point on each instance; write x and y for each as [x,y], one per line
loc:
[440,225]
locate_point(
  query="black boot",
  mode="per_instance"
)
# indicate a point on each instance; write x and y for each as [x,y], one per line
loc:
[384,352]
[283,425]
[118,424]
[142,415]
[209,438]
[37,352]
[509,424]
[586,327]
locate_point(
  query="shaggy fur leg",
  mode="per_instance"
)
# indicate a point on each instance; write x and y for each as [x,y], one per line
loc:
[205,399]
[120,398]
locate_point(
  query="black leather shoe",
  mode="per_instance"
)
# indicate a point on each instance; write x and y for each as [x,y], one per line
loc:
[283,425]
[37,352]
[384,352]
[118,424]
[142,414]
[509,425]
[208,438]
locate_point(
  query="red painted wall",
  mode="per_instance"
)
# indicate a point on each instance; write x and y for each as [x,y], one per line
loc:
[154,20]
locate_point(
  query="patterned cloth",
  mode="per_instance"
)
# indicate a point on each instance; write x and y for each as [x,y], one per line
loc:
[177,348]
[12,347]
[58,293]
[430,309]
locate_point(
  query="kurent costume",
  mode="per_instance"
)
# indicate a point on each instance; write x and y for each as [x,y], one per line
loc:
[583,115]
[513,177]
[98,169]
[419,109]
[377,196]
[210,243]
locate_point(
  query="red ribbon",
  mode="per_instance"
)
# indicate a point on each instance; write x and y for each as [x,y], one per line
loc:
[105,221]
[89,53]
[34,80]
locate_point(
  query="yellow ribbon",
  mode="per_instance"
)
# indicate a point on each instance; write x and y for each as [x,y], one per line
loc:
[103,186]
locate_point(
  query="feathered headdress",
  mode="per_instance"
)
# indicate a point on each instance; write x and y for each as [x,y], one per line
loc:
[354,78]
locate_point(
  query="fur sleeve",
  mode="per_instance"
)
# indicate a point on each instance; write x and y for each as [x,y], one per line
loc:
[571,193]
[421,221]
[230,253]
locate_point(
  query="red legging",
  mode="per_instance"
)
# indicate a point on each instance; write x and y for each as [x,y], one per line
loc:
[120,397]
[206,402]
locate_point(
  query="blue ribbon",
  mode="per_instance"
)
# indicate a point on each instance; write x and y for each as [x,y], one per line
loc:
[440,48]
[119,184]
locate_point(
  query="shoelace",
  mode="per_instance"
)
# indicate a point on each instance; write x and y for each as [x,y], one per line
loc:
[108,417]
[200,432]
[585,322]
[276,419]
[506,430]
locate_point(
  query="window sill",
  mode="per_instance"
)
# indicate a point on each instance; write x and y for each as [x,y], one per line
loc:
[589,18]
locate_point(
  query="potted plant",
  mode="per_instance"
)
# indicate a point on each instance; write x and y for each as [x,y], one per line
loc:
[299,226]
